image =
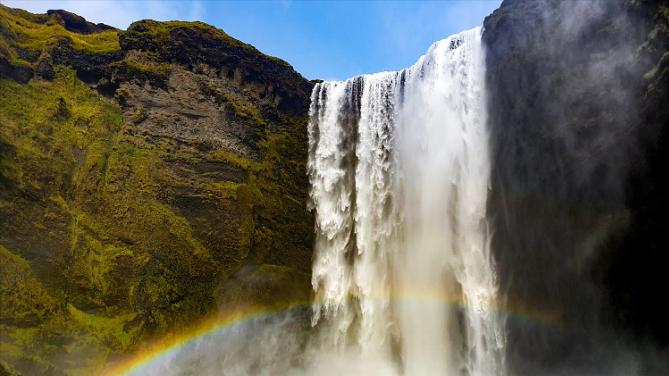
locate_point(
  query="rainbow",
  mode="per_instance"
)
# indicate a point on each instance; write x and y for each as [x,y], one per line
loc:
[168,346]
[171,344]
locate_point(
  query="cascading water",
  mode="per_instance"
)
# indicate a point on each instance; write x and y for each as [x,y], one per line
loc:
[399,168]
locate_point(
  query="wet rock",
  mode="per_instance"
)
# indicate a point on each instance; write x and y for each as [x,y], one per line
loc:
[578,138]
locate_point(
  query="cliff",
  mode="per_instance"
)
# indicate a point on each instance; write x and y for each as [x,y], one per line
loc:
[148,177]
[577,107]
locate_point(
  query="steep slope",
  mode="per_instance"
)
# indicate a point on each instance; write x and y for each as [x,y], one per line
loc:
[147,178]
[577,99]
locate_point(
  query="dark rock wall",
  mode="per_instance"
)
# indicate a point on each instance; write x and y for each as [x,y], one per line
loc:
[578,114]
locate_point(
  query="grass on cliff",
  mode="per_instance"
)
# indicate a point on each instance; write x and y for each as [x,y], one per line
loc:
[162,32]
[36,326]
[54,134]
[51,122]
[239,105]
[137,68]
[280,231]
[35,32]
[22,297]
[115,251]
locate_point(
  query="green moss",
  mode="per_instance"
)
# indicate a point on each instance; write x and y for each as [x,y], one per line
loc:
[22,297]
[161,32]
[277,60]
[282,228]
[6,369]
[66,343]
[92,260]
[650,74]
[245,110]
[47,145]
[6,51]
[232,158]
[143,68]
[271,268]
[226,189]
[109,330]
[240,106]
[664,12]
[104,189]
[15,351]
[33,106]
[43,329]
[653,72]
[35,33]
[153,67]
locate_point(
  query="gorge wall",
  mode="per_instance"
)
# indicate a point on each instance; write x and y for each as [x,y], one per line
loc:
[577,109]
[147,178]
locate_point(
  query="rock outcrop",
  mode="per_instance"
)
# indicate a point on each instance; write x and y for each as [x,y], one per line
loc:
[148,178]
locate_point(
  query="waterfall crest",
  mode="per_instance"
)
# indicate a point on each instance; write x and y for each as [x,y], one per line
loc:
[399,169]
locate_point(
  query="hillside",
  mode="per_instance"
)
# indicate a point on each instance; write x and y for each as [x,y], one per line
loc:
[147,178]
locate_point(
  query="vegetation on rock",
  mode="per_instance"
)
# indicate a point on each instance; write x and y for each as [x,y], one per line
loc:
[142,186]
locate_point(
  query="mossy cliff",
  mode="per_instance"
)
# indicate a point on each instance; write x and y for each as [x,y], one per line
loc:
[148,177]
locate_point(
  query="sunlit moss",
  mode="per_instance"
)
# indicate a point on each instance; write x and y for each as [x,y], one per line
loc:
[146,69]
[22,297]
[35,32]
[163,31]
[109,330]
[240,106]
[232,158]
[664,12]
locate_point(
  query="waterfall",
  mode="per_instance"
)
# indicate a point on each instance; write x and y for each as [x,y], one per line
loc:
[399,170]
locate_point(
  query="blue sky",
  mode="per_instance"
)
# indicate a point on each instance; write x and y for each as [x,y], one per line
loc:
[326,40]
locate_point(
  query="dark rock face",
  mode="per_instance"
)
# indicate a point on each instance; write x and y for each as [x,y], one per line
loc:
[148,178]
[194,44]
[577,94]
[21,74]
[76,23]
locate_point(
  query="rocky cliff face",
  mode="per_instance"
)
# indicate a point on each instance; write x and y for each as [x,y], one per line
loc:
[577,98]
[147,178]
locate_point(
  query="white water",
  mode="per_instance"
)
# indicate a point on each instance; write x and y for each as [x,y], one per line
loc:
[399,170]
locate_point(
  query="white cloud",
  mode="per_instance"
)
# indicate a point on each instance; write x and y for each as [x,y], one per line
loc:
[117,13]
